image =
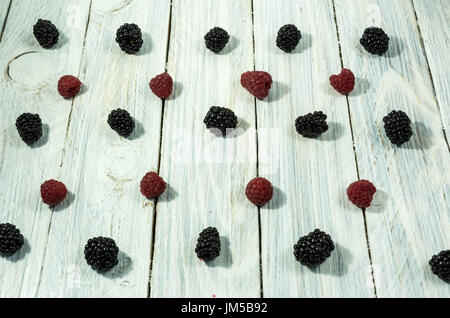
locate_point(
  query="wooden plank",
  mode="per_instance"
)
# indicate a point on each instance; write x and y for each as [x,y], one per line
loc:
[412,221]
[310,175]
[435,30]
[30,75]
[207,174]
[103,170]
[4,9]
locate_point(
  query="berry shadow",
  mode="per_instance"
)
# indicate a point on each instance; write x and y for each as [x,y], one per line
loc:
[168,195]
[122,268]
[62,40]
[225,259]
[304,44]
[138,131]
[70,198]
[396,47]
[278,199]
[336,264]
[277,91]
[335,131]
[20,254]
[44,138]
[361,87]
[177,90]
[231,45]
[146,46]
[422,137]
[378,202]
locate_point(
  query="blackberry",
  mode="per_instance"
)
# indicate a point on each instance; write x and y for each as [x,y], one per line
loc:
[121,121]
[101,253]
[29,127]
[208,244]
[129,37]
[220,118]
[288,37]
[398,127]
[216,39]
[45,33]
[440,265]
[314,248]
[10,239]
[311,125]
[375,41]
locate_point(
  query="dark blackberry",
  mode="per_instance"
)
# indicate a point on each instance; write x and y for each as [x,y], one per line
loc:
[45,33]
[208,244]
[440,265]
[220,118]
[314,248]
[311,125]
[129,37]
[121,121]
[10,239]
[398,127]
[216,39]
[288,37]
[101,253]
[375,41]
[29,127]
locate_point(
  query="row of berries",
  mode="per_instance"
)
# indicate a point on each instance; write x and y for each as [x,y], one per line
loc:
[101,253]
[129,38]
[313,249]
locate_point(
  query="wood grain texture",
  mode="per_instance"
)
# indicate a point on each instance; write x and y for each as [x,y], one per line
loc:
[310,175]
[206,174]
[410,220]
[28,84]
[433,19]
[4,9]
[103,170]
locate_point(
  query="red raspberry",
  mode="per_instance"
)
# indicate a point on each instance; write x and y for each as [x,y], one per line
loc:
[161,85]
[152,185]
[53,192]
[344,82]
[258,83]
[259,191]
[68,86]
[360,193]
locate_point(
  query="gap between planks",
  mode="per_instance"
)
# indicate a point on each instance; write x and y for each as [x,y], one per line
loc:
[6,19]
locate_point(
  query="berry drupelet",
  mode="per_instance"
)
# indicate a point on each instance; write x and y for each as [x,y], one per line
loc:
[440,265]
[53,192]
[220,118]
[101,253]
[152,185]
[314,248]
[10,239]
[375,41]
[216,39]
[288,37]
[208,244]
[257,83]
[311,125]
[120,121]
[361,193]
[68,86]
[397,126]
[259,191]
[45,33]
[129,37]
[29,127]
[161,85]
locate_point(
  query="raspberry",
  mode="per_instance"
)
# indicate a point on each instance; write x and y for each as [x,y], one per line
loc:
[397,126]
[121,122]
[45,33]
[288,37]
[311,125]
[259,191]
[152,185]
[208,244]
[29,127]
[68,86]
[314,248]
[129,37]
[10,239]
[361,192]
[53,192]
[375,41]
[161,85]
[216,39]
[258,83]
[344,82]
[440,265]
[101,253]
[220,118]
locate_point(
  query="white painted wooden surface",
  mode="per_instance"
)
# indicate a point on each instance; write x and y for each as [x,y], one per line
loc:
[310,175]
[4,9]
[206,174]
[412,223]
